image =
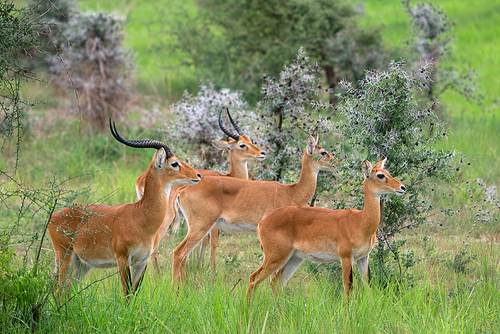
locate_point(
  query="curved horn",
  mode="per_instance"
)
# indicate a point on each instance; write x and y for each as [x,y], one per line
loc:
[236,127]
[235,137]
[143,143]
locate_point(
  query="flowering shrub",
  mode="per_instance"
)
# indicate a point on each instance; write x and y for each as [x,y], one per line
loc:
[289,111]
[433,43]
[382,118]
[197,119]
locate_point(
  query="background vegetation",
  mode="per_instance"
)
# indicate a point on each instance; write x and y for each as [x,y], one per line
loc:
[453,285]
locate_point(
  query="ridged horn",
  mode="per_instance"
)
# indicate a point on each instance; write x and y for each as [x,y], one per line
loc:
[235,137]
[236,127]
[143,143]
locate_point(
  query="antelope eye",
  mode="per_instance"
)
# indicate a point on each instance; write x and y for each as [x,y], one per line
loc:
[175,164]
[243,146]
[323,153]
[381,176]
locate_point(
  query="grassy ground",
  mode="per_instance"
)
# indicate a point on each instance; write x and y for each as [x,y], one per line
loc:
[439,299]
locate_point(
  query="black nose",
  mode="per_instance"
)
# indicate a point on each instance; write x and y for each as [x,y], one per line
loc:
[403,188]
[199,176]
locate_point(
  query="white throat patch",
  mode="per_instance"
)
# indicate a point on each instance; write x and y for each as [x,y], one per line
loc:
[167,190]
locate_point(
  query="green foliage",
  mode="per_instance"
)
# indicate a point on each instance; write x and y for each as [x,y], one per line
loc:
[289,112]
[24,294]
[259,36]
[52,15]
[431,28]
[17,36]
[461,260]
[26,280]
[22,289]
[233,43]
[383,119]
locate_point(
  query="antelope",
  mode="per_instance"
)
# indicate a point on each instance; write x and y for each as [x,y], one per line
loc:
[291,234]
[234,205]
[241,151]
[98,236]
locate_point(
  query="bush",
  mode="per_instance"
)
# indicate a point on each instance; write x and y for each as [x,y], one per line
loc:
[97,66]
[26,280]
[52,16]
[197,122]
[433,43]
[289,111]
[383,118]
[17,37]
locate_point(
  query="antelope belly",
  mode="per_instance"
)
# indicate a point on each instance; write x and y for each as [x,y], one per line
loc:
[235,227]
[102,264]
[320,257]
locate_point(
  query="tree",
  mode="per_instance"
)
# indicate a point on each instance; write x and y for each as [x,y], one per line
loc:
[289,112]
[234,42]
[433,43]
[23,287]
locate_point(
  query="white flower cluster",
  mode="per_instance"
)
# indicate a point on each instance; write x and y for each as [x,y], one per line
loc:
[197,115]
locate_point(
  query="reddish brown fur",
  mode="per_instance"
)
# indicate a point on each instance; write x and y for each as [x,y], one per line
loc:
[290,234]
[86,236]
[241,201]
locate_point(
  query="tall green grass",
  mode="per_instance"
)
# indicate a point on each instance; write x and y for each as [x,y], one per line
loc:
[438,301]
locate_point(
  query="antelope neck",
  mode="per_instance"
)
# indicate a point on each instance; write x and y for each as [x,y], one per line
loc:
[371,210]
[304,188]
[239,168]
[153,204]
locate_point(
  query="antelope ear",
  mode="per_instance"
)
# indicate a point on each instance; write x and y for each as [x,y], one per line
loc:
[380,164]
[160,158]
[221,145]
[316,140]
[311,145]
[366,168]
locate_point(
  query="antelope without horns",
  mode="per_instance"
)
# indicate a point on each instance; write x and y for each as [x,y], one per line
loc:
[234,205]
[291,234]
[241,151]
[98,236]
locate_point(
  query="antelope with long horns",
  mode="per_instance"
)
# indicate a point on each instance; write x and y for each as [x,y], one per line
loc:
[98,236]
[241,151]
